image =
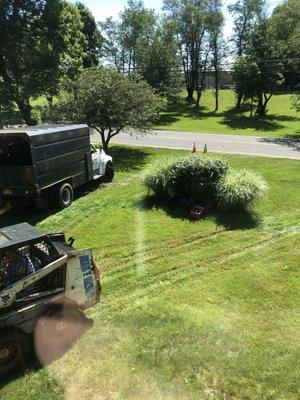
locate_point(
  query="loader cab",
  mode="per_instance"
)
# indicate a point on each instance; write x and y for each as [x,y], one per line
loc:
[45,286]
[23,252]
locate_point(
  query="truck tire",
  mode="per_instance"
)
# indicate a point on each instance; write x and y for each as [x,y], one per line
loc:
[65,195]
[109,172]
[14,351]
[57,331]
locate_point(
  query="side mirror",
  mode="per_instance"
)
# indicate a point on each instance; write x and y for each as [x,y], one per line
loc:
[71,241]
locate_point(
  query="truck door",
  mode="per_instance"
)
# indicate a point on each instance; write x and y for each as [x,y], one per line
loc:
[82,282]
[95,160]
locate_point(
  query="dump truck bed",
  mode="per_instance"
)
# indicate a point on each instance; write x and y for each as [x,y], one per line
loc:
[34,158]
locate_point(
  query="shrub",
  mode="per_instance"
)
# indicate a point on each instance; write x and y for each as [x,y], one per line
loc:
[194,177]
[155,177]
[238,189]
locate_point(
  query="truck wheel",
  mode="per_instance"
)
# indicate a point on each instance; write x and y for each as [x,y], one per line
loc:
[65,195]
[109,172]
[14,350]
[57,331]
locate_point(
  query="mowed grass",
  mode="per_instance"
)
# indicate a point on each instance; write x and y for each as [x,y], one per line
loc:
[204,310]
[282,120]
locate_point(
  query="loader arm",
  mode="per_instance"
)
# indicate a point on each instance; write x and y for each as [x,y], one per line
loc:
[8,295]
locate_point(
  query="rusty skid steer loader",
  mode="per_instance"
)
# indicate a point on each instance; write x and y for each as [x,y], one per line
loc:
[45,284]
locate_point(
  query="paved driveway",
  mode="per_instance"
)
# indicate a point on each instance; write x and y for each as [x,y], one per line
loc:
[234,144]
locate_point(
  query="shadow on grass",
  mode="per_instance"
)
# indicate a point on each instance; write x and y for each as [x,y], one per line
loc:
[170,208]
[24,214]
[240,220]
[232,118]
[247,219]
[127,158]
[178,109]
[32,366]
[236,120]
[33,216]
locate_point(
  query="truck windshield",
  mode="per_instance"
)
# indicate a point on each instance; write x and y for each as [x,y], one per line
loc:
[14,151]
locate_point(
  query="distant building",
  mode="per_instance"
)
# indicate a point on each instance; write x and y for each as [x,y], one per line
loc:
[225,80]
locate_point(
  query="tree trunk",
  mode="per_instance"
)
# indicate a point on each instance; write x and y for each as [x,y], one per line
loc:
[251,107]
[50,99]
[216,90]
[190,96]
[199,95]
[217,99]
[239,101]
[265,103]
[103,140]
[105,146]
[25,110]
[260,106]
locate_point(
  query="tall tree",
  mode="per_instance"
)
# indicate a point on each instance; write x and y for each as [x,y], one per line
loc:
[159,63]
[41,44]
[94,39]
[190,19]
[217,44]
[246,79]
[108,101]
[112,50]
[62,47]
[258,74]
[126,37]
[285,28]
[137,27]
[8,111]
[245,14]
[263,50]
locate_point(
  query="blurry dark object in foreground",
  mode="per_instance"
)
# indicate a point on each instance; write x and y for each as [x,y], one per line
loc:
[58,330]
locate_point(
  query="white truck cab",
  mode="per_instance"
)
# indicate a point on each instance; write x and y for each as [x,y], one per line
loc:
[102,163]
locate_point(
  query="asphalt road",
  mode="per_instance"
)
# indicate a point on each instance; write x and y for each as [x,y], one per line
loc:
[232,144]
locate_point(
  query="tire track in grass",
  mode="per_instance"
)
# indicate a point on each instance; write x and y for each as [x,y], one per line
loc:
[160,251]
[140,254]
[181,243]
[186,272]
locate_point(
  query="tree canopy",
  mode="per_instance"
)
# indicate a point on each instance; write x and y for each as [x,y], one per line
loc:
[41,45]
[259,68]
[94,40]
[108,101]
[285,29]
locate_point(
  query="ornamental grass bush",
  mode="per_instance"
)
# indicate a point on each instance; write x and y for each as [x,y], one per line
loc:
[193,177]
[238,189]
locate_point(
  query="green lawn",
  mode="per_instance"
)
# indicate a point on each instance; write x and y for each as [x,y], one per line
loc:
[282,119]
[203,310]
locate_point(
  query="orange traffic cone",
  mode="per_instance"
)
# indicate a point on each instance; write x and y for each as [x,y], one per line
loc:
[194,148]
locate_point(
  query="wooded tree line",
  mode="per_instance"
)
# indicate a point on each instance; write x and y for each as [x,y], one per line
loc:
[45,45]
